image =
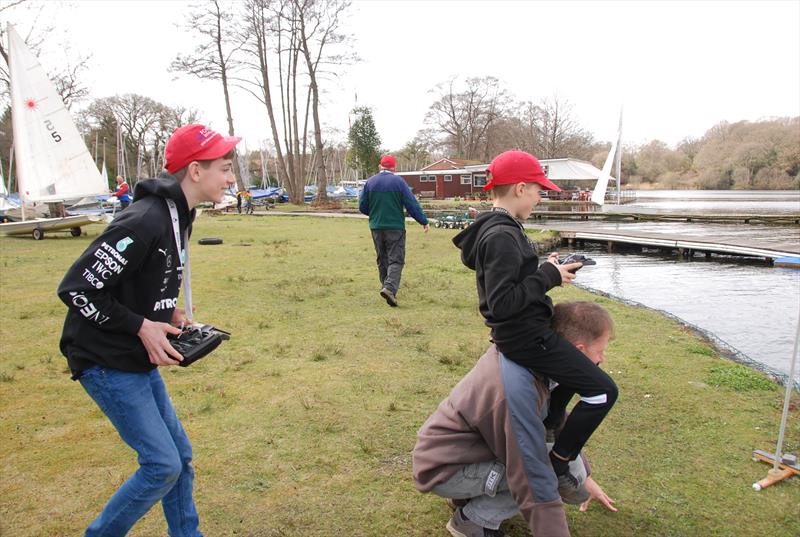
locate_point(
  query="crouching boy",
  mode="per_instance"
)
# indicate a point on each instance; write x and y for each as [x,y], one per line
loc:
[121,295]
[485,445]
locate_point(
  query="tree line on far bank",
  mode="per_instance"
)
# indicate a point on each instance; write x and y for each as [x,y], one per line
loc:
[478,119]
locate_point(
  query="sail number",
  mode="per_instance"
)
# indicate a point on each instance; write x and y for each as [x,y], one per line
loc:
[52,129]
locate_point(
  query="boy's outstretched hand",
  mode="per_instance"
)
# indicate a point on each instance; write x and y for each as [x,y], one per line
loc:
[596,493]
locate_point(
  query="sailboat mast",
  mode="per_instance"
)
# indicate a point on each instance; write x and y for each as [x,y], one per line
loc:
[619,158]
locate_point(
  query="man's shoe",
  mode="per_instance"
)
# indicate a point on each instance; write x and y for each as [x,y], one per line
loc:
[454,504]
[571,490]
[389,297]
[459,526]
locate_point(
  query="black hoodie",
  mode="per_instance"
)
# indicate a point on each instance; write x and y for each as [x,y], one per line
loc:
[512,286]
[131,271]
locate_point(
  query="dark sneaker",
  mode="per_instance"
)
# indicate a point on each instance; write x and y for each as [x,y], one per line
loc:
[571,490]
[458,526]
[454,504]
[389,296]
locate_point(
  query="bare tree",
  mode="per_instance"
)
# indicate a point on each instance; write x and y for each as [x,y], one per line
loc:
[258,27]
[215,57]
[67,80]
[558,129]
[145,125]
[465,116]
[318,24]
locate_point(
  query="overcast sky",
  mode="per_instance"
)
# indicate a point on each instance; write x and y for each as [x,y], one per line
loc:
[677,67]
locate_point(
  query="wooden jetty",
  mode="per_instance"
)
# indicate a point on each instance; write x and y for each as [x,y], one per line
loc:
[776,219]
[684,245]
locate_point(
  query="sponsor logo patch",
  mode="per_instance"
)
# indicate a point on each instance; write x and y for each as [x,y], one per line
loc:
[165,303]
[123,243]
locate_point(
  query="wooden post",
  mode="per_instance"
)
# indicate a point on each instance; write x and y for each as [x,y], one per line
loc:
[610,246]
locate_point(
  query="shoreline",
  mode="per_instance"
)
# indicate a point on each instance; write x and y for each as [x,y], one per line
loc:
[723,348]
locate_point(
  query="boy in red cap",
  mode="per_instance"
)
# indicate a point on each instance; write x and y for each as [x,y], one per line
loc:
[512,293]
[121,295]
[383,199]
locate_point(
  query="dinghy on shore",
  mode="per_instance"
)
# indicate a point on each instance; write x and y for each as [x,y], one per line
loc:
[53,163]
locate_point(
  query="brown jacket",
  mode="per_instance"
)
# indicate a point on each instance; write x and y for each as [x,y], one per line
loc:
[495,413]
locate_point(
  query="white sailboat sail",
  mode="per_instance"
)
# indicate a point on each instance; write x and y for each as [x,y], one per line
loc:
[53,163]
[105,173]
[4,203]
[599,193]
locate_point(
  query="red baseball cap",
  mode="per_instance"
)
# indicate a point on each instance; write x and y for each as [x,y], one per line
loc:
[388,162]
[196,142]
[517,167]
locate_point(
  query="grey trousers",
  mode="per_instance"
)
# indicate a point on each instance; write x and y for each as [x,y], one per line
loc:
[390,248]
[484,484]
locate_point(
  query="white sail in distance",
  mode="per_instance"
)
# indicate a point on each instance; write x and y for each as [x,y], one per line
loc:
[53,163]
[599,193]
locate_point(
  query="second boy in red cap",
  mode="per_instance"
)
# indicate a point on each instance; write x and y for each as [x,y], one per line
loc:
[512,294]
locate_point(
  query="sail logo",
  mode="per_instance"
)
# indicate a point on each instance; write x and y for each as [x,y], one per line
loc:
[30,104]
[123,243]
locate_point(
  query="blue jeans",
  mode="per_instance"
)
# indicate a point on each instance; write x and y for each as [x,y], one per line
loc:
[139,407]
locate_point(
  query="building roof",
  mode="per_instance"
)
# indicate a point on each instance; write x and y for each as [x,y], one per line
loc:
[456,171]
[449,163]
[559,169]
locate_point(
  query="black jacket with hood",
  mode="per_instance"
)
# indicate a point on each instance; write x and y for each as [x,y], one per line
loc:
[512,286]
[131,271]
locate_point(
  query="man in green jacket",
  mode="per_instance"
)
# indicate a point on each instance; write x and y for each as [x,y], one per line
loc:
[383,199]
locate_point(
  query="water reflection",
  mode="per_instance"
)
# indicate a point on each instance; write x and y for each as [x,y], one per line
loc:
[750,307]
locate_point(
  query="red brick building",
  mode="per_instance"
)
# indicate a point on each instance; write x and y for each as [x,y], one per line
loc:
[446,178]
[451,178]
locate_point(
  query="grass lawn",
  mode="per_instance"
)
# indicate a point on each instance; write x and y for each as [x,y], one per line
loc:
[303,422]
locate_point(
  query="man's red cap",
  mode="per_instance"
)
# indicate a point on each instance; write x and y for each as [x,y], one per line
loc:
[517,167]
[196,142]
[388,162]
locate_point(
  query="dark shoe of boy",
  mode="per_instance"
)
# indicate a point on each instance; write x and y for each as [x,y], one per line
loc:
[571,490]
[454,504]
[461,526]
[389,297]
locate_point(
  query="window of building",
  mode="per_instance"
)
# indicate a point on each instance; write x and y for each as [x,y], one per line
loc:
[423,178]
[466,179]
[448,178]
[479,180]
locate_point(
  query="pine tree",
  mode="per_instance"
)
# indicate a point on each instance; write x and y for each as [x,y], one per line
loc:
[365,143]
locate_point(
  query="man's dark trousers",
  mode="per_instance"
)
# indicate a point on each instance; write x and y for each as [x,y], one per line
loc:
[390,247]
